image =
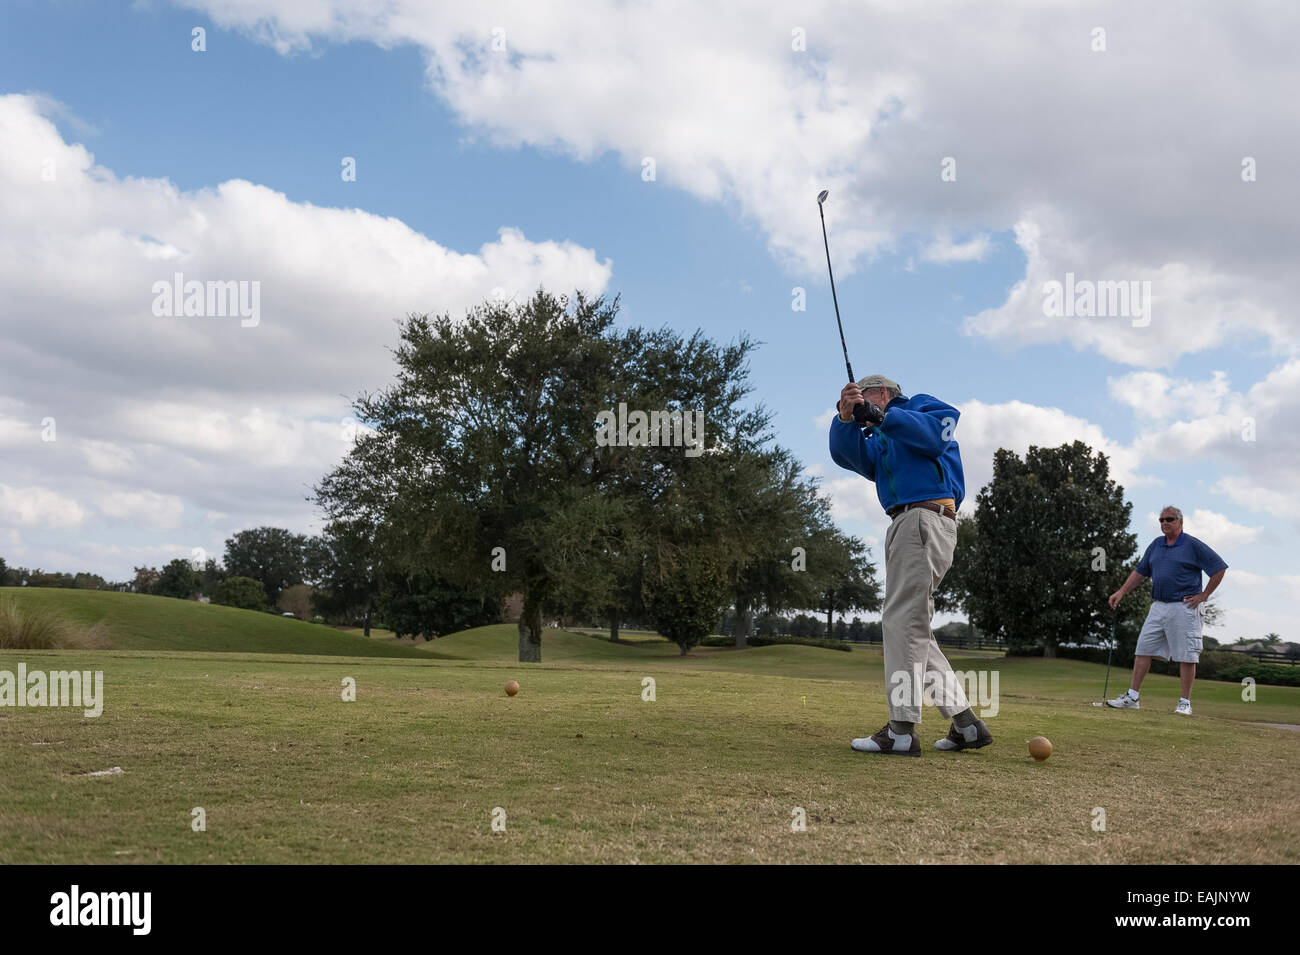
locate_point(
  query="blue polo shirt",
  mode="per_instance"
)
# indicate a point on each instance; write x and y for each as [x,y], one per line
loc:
[1175,569]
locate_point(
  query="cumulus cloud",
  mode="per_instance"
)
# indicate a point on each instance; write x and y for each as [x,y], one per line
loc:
[200,410]
[1220,533]
[1255,434]
[762,106]
[38,507]
[1016,425]
[1152,395]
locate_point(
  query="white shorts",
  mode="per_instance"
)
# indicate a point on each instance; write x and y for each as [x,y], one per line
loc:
[1172,632]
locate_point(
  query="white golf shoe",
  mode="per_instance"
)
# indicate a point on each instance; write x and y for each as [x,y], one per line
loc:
[1125,701]
[884,740]
[1184,707]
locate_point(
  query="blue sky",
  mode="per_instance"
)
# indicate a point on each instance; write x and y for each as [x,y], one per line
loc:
[173,439]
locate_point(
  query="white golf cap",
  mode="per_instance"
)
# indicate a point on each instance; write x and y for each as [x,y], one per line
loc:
[878,381]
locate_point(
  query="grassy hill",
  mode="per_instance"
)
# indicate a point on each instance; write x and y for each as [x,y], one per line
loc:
[142,622]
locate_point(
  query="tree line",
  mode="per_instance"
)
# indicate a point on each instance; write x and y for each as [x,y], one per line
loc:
[490,467]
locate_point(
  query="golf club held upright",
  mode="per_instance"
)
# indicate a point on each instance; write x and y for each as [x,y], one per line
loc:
[863,414]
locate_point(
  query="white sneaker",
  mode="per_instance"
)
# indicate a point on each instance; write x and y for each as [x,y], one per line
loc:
[1124,702]
[1184,708]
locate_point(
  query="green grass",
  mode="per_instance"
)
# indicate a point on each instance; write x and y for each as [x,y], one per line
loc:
[142,622]
[588,772]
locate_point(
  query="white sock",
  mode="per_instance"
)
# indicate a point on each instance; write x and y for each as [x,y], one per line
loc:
[1183,699]
[1133,693]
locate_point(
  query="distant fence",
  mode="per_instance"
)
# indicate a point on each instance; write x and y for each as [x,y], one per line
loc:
[959,643]
[983,643]
[1263,656]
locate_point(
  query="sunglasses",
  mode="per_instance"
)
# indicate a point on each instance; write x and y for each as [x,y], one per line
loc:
[1168,520]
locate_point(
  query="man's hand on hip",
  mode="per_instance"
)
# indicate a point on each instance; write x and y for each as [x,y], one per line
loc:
[1195,600]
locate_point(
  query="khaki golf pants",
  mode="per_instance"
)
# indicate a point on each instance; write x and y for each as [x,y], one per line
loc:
[918,552]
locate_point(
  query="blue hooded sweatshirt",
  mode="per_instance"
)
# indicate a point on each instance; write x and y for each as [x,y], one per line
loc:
[911,456]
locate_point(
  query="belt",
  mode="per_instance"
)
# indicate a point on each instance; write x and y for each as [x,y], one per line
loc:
[947,512]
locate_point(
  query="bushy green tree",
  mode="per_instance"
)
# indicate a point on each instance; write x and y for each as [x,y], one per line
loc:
[272,556]
[481,455]
[242,592]
[1051,544]
[686,601]
[952,592]
[841,571]
[177,579]
[343,563]
[424,606]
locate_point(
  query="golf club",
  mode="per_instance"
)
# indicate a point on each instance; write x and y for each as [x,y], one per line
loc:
[862,413]
[1114,636]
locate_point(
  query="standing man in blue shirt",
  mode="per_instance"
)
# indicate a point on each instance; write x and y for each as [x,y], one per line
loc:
[909,451]
[1173,626]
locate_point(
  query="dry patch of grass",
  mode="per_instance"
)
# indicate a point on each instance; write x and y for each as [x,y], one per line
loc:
[29,627]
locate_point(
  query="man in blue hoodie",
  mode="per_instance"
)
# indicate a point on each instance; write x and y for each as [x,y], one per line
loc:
[908,450]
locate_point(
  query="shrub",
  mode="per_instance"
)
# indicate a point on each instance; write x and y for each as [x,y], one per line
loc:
[1265,674]
[242,592]
[1213,665]
[39,628]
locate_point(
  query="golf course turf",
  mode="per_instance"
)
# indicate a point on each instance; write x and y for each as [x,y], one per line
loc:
[581,768]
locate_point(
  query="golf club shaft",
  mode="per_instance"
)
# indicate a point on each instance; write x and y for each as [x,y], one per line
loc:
[848,367]
[1114,631]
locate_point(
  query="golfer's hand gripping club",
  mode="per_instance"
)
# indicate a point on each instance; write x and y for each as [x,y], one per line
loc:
[866,414]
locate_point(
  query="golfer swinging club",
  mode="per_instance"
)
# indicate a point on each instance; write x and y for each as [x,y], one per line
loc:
[908,450]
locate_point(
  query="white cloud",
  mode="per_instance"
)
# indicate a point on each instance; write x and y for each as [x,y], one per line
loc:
[105,457]
[875,103]
[1215,529]
[1247,493]
[944,250]
[1152,395]
[1256,432]
[253,435]
[1253,623]
[149,508]
[332,281]
[15,432]
[1189,309]
[225,420]
[37,506]
[1016,425]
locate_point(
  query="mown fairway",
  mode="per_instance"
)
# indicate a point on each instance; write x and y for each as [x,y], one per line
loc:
[587,772]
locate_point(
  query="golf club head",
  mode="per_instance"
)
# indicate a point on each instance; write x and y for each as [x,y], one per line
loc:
[821,196]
